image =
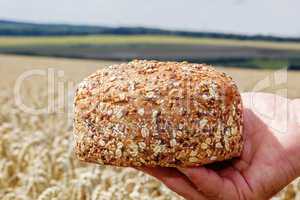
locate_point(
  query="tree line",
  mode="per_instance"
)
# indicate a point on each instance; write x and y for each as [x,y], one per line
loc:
[12,28]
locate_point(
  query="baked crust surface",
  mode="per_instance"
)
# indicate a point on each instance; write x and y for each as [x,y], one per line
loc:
[150,113]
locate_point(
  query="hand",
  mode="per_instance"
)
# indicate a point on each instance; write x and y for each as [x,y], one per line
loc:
[270,158]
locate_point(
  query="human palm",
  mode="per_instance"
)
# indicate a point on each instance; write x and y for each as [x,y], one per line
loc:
[264,168]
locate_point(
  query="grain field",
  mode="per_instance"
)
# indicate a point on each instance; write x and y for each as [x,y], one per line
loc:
[36,158]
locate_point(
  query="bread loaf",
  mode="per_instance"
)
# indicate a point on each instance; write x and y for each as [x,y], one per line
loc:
[150,113]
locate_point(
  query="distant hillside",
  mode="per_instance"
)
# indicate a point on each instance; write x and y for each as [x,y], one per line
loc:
[12,28]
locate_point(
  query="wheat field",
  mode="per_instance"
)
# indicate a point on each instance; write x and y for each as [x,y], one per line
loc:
[36,157]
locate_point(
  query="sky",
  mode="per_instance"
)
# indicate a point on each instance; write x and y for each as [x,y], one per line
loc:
[269,17]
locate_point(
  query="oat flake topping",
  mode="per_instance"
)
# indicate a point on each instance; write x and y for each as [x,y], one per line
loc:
[151,113]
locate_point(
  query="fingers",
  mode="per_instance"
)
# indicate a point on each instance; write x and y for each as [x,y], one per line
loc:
[207,181]
[176,181]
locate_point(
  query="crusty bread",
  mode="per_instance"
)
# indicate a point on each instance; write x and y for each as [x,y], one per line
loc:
[150,113]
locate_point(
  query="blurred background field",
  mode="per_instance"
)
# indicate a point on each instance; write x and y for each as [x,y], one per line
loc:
[11,67]
[126,43]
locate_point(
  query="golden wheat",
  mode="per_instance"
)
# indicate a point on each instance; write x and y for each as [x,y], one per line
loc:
[36,157]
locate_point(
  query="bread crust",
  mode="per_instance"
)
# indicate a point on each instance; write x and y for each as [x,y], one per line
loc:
[150,113]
